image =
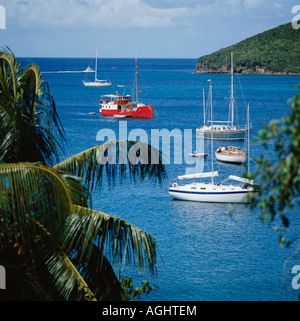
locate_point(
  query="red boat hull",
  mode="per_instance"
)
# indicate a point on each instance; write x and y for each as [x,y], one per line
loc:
[137,112]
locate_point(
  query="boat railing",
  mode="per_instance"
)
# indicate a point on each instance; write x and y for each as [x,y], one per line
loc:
[244,126]
[238,127]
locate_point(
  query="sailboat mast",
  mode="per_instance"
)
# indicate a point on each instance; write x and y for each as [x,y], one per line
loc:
[211,131]
[231,92]
[203,108]
[248,140]
[136,81]
[96,68]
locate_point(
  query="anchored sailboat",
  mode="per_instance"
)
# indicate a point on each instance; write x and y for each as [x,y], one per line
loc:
[210,192]
[97,82]
[224,130]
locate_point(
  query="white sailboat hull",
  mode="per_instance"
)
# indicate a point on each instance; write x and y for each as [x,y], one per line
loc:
[230,134]
[230,158]
[96,84]
[200,192]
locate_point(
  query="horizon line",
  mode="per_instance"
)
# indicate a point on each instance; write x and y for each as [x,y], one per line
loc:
[106,57]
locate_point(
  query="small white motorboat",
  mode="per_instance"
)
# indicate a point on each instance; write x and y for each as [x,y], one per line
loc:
[199,155]
[89,69]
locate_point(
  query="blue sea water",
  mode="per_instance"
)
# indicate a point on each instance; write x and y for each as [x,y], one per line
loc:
[205,252]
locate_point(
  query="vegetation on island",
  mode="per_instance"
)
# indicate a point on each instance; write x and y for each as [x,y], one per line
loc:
[275,51]
[53,245]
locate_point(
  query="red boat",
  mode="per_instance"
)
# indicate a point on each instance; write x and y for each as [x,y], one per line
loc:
[123,106]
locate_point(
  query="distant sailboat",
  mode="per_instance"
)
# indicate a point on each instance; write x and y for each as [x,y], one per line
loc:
[97,82]
[224,130]
[210,192]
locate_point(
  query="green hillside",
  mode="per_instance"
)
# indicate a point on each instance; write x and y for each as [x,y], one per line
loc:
[275,51]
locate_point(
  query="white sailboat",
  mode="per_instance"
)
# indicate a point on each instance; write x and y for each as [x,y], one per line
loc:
[224,130]
[97,82]
[210,192]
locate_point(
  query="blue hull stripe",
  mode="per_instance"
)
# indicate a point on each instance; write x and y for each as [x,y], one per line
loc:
[206,193]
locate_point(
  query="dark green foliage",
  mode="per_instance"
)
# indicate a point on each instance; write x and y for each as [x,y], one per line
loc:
[132,293]
[30,128]
[272,51]
[280,179]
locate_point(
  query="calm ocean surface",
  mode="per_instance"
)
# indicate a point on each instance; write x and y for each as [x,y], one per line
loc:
[206,254]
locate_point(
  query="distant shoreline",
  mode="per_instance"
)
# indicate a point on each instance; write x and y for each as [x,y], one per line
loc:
[249,73]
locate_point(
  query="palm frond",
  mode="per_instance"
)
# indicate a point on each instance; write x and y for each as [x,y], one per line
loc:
[102,281]
[115,238]
[41,108]
[37,213]
[8,58]
[30,193]
[120,158]
[30,128]
[68,280]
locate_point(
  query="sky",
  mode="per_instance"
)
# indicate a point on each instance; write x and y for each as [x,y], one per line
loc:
[135,28]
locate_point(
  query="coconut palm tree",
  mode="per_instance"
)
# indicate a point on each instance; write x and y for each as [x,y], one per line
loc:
[30,128]
[52,243]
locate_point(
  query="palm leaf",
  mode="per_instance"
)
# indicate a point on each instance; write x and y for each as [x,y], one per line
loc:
[119,158]
[115,238]
[41,109]
[37,212]
[68,280]
[30,193]
[7,58]
[30,129]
